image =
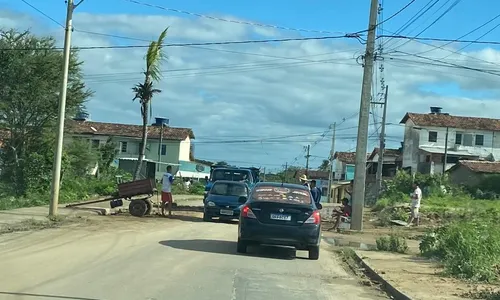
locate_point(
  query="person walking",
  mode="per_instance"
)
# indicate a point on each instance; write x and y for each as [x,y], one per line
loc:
[416,198]
[315,192]
[166,190]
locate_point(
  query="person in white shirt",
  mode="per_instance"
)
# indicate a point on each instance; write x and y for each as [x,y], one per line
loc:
[416,198]
[166,190]
[304,181]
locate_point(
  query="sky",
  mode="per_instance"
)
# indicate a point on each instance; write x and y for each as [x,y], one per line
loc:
[260,104]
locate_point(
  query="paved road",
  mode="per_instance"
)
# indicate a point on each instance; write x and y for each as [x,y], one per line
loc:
[162,259]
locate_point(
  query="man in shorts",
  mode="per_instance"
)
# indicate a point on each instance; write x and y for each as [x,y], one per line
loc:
[416,197]
[166,190]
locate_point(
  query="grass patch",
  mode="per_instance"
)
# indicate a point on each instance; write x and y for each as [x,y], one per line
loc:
[35,224]
[468,249]
[392,243]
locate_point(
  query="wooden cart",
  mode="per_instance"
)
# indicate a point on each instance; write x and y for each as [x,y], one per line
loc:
[138,192]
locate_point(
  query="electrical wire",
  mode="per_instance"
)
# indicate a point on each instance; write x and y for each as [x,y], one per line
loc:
[230,20]
[434,22]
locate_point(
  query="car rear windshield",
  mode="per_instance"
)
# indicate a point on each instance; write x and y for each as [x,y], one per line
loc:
[228,189]
[230,175]
[281,194]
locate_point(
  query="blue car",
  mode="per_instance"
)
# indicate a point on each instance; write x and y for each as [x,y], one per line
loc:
[224,200]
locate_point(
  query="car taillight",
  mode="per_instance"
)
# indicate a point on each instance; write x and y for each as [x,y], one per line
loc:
[315,218]
[246,212]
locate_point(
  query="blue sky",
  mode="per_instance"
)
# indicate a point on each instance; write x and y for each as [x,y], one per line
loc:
[414,87]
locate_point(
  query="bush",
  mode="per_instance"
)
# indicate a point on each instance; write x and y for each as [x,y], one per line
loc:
[468,249]
[392,243]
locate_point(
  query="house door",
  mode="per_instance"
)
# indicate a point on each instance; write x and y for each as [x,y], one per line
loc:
[150,170]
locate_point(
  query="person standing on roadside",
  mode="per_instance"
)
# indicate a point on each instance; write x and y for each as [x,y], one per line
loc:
[315,192]
[303,181]
[166,190]
[416,198]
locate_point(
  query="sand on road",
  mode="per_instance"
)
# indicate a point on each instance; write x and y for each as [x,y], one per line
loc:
[156,259]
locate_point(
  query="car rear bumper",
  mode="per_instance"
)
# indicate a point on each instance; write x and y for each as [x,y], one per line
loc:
[215,212]
[301,237]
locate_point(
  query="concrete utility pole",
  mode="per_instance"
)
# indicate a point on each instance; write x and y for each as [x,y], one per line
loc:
[285,176]
[330,172]
[445,150]
[56,170]
[160,145]
[358,197]
[307,159]
[381,150]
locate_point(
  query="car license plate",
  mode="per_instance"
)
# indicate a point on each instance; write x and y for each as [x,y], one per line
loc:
[281,217]
[226,212]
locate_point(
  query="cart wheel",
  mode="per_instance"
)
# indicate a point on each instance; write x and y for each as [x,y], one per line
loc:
[150,206]
[138,208]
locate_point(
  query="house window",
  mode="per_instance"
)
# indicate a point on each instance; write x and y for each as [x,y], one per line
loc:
[458,138]
[433,136]
[479,140]
[427,158]
[163,149]
[467,140]
[95,144]
[123,147]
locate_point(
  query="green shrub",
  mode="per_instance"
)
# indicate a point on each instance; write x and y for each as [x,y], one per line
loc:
[468,249]
[392,243]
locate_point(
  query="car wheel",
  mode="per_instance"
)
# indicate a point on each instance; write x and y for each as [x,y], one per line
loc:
[206,218]
[314,253]
[241,246]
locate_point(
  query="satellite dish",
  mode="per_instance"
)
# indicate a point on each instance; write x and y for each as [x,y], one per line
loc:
[200,168]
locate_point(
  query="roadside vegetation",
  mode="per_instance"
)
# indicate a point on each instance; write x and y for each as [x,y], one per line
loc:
[463,225]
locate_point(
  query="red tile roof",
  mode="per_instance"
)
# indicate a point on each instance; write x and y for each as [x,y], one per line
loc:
[347,157]
[126,130]
[477,166]
[387,152]
[443,120]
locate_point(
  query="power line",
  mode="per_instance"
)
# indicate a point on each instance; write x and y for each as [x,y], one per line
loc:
[463,36]
[230,20]
[193,44]
[43,13]
[414,18]
[434,22]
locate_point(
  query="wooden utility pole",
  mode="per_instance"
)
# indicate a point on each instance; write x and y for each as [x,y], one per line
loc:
[358,196]
[307,159]
[381,150]
[330,172]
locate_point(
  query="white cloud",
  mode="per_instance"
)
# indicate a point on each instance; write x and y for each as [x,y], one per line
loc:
[261,90]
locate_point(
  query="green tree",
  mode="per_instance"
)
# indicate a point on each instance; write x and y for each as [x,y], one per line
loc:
[30,80]
[325,164]
[145,91]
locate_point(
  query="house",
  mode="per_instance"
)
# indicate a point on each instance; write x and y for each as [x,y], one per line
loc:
[426,136]
[174,149]
[344,165]
[470,173]
[392,161]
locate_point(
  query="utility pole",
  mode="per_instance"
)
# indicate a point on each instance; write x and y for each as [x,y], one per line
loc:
[330,172]
[264,175]
[160,145]
[56,169]
[382,142]
[445,150]
[307,159]
[286,172]
[358,197]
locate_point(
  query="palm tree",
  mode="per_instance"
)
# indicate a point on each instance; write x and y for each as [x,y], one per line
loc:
[324,165]
[145,91]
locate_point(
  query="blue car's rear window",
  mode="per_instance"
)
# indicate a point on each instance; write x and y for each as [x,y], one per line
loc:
[228,189]
[281,194]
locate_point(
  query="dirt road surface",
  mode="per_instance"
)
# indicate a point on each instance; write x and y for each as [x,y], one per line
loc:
[156,259]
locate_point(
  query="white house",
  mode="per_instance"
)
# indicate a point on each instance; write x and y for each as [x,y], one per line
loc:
[468,138]
[175,148]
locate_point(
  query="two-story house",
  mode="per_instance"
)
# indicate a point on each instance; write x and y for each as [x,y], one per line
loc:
[174,148]
[428,138]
